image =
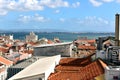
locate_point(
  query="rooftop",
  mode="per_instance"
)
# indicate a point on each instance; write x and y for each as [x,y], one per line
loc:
[88,72]
[56,44]
[27,62]
[86,47]
[5,61]
[33,70]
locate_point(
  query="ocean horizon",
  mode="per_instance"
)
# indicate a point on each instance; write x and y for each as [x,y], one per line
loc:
[63,36]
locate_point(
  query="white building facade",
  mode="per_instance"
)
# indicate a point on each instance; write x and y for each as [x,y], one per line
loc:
[31,37]
[3,72]
[112,73]
[39,70]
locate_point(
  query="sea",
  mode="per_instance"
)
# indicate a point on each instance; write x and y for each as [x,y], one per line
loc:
[63,36]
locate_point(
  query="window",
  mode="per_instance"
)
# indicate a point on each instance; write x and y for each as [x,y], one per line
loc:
[115,77]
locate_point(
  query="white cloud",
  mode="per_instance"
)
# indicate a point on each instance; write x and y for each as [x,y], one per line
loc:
[54,3]
[118,1]
[57,11]
[3,12]
[36,18]
[96,3]
[28,5]
[94,21]
[24,19]
[62,19]
[75,5]
[104,21]
[107,0]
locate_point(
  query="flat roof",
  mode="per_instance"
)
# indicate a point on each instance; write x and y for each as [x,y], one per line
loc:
[37,68]
[27,62]
[56,44]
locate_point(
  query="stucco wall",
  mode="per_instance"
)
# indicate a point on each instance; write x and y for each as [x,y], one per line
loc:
[110,73]
[64,50]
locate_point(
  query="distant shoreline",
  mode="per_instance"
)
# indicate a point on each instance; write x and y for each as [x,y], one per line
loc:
[63,36]
[57,32]
[49,31]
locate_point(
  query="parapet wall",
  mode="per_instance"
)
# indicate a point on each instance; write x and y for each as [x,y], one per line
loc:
[63,50]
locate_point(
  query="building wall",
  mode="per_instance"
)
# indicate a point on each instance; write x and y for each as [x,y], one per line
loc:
[111,73]
[64,50]
[54,60]
[101,54]
[52,67]
[3,72]
[32,37]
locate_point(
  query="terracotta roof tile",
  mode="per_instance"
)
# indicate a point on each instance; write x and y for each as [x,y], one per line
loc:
[8,45]
[86,41]
[28,51]
[67,68]
[4,50]
[5,61]
[89,72]
[86,47]
[50,42]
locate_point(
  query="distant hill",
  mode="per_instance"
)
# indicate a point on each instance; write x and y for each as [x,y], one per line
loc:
[34,30]
[46,30]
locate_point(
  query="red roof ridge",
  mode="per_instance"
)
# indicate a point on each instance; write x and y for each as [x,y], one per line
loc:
[103,64]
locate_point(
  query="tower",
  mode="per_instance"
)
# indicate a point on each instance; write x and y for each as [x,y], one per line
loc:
[113,52]
[117,31]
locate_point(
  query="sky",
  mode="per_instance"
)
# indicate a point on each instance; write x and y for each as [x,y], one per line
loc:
[66,15]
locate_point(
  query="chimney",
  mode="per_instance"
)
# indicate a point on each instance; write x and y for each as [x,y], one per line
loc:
[117,33]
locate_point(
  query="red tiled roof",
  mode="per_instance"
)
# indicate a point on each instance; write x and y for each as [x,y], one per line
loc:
[8,45]
[4,50]
[75,61]
[88,41]
[67,68]
[86,47]
[28,51]
[5,61]
[50,42]
[88,72]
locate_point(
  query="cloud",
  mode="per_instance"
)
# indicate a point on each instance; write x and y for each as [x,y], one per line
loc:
[54,3]
[96,3]
[62,19]
[39,18]
[75,5]
[57,11]
[24,19]
[94,21]
[118,1]
[3,12]
[107,0]
[35,18]
[28,5]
